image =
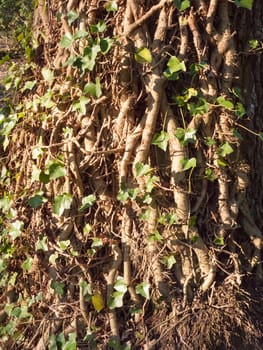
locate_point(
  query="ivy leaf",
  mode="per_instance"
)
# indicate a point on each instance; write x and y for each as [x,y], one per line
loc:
[111,6]
[58,287]
[261,136]
[182,4]
[120,285]
[98,28]
[55,170]
[143,289]
[116,300]
[72,16]
[63,245]
[71,343]
[41,244]
[161,140]
[47,74]
[253,43]
[224,103]
[225,149]
[151,183]
[188,163]
[37,200]
[186,136]
[169,261]
[80,105]
[27,264]
[175,65]
[105,45]
[87,202]
[93,89]
[244,3]
[29,85]
[97,302]
[219,241]
[80,34]
[15,229]
[66,41]
[143,55]
[240,110]
[142,169]
[62,202]
[53,257]
[88,60]
[155,237]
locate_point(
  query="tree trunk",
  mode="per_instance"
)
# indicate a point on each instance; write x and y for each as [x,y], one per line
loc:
[139,184]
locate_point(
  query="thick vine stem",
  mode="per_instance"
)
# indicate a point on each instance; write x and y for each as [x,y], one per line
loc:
[111,278]
[126,239]
[153,253]
[134,26]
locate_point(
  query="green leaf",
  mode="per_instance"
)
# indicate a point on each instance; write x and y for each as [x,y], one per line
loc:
[200,108]
[63,245]
[47,74]
[88,60]
[143,289]
[80,105]
[175,65]
[161,140]
[169,261]
[97,302]
[182,5]
[210,175]
[224,103]
[219,241]
[98,28]
[244,3]
[225,149]
[71,343]
[261,136]
[43,177]
[37,200]
[210,141]
[221,163]
[87,202]
[29,85]
[93,89]
[116,300]
[72,16]
[80,34]
[120,285]
[240,110]
[86,290]
[27,264]
[143,55]
[62,202]
[188,163]
[53,257]
[58,287]
[142,169]
[55,169]
[96,242]
[41,244]
[253,43]
[111,6]
[155,237]
[151,183]
[15,229]
[66,41]
[105,45]
[186,136]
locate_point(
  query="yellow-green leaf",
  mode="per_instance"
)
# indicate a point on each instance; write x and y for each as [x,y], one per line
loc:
[97,302]
[143,55]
